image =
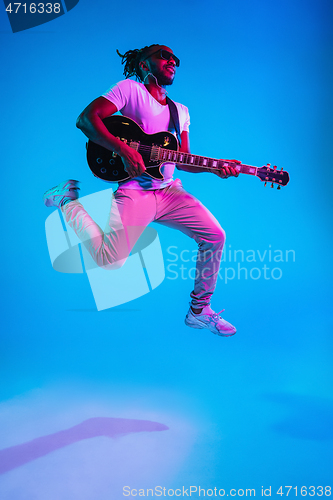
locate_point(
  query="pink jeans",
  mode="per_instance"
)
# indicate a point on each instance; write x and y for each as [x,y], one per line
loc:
[131,212]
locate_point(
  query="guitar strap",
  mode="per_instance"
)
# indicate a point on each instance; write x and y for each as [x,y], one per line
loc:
[174,118]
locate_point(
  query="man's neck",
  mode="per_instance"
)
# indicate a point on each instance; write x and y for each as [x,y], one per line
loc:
[159,93]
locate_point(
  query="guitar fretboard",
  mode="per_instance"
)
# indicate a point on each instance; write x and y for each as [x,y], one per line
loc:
[202,161]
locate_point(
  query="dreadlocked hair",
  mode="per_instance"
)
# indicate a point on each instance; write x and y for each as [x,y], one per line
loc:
[131,59]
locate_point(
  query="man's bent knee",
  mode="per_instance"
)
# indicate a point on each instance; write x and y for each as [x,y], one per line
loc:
[105,257]
[218,237]
[112,266]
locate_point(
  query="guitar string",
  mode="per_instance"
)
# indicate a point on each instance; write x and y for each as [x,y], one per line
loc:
[147,149]
[244,168]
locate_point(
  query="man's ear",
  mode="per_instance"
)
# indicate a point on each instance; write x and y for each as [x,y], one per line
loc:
[144,70]
[143,65]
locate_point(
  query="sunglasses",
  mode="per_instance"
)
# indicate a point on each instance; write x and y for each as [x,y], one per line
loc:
[167,56]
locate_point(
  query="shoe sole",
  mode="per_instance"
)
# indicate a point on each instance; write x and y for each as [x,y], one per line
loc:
[197,327]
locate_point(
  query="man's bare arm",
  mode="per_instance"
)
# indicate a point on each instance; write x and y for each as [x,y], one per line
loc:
[90,121]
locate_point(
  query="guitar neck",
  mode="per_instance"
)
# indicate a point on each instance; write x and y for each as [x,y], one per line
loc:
[203,162]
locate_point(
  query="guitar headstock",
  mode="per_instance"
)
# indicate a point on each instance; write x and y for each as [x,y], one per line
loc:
[268,174]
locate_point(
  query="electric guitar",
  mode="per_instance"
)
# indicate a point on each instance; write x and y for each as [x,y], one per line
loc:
[159,148]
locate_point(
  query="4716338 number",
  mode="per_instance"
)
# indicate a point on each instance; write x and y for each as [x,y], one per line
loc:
[304,491]
[33,8]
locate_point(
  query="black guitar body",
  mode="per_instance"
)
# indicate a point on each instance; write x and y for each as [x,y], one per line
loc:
[109,166]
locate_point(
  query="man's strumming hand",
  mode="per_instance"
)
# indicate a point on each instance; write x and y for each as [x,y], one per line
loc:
[132,161]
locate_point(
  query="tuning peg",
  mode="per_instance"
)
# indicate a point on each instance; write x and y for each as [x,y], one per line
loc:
[275,167]
[272,185]
[281,169]
[265,184]
[279,187]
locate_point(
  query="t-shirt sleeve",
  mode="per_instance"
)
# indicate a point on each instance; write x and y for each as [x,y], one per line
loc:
[118,94]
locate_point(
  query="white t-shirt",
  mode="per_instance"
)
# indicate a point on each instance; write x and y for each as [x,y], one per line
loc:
[133,100]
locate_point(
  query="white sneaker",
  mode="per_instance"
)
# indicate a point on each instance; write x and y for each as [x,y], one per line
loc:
[211,320]
[61,194]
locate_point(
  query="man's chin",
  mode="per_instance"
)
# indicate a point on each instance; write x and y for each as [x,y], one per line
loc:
[164,81]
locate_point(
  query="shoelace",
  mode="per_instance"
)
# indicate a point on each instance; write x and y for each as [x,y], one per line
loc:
[216,316]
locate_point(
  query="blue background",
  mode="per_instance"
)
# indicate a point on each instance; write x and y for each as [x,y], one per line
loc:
[245,412]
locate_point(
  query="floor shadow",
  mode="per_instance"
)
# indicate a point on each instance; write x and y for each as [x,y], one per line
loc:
[15,456]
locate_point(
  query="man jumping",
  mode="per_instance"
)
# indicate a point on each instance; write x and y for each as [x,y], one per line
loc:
[142,199]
